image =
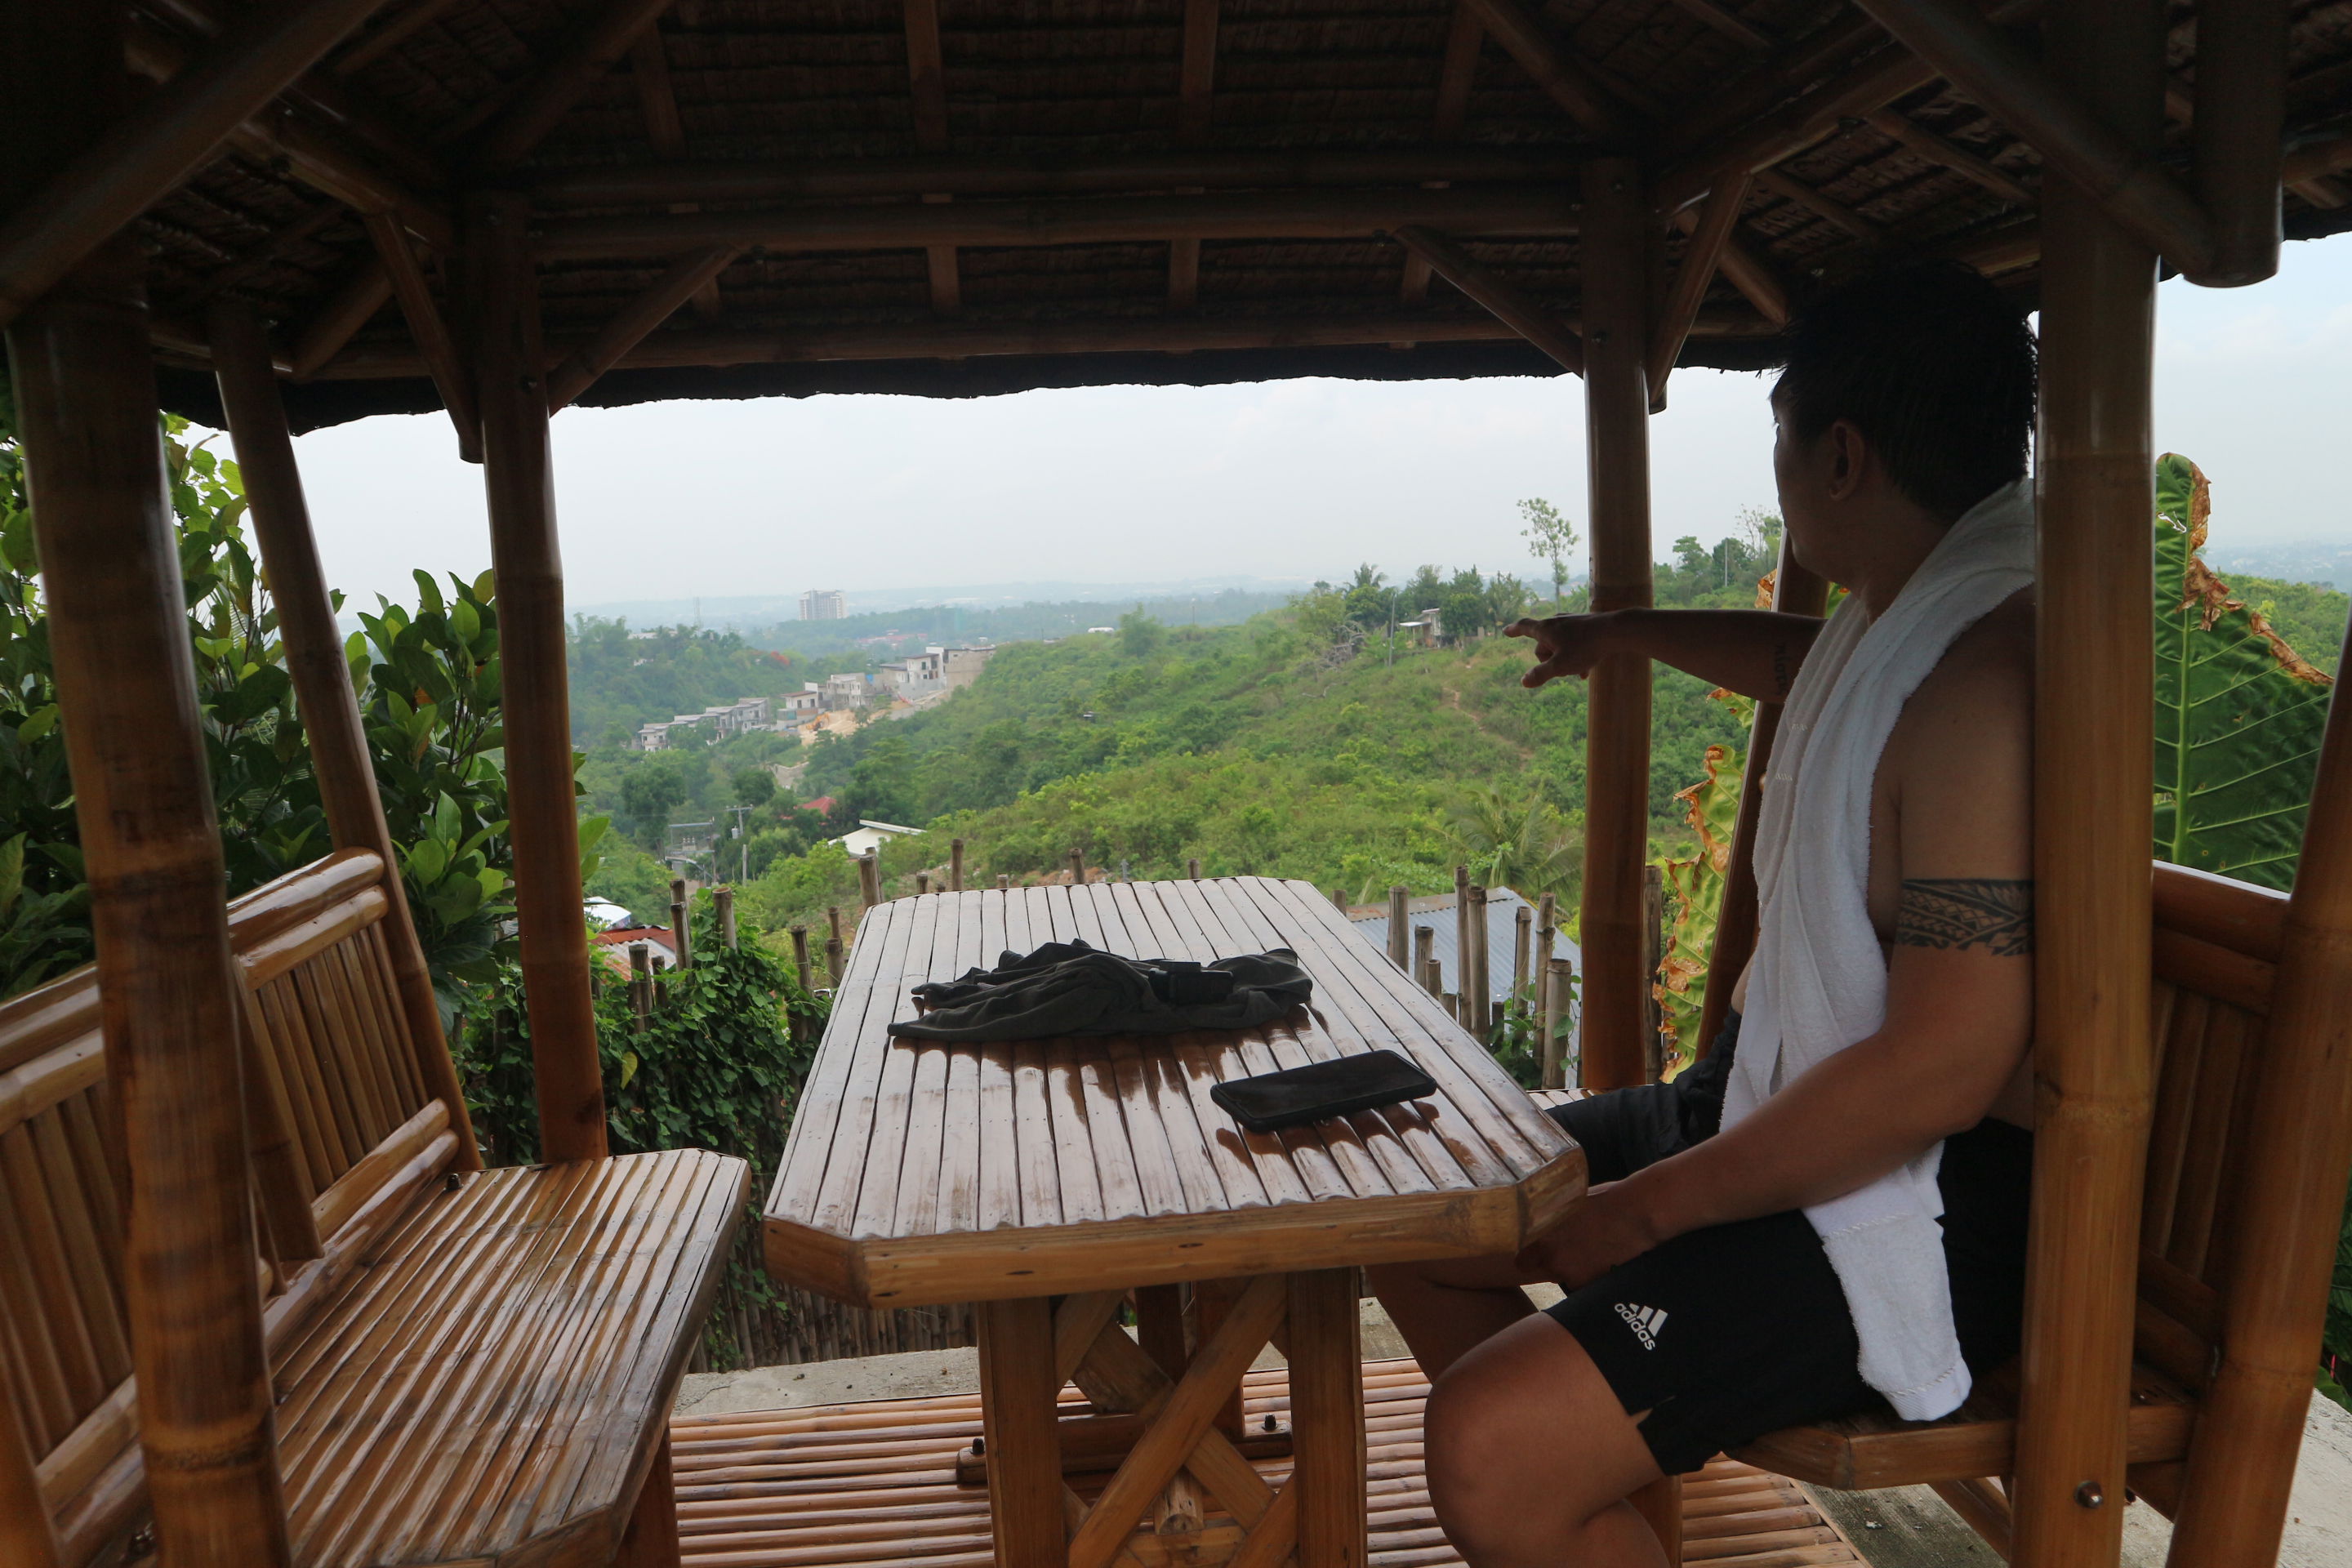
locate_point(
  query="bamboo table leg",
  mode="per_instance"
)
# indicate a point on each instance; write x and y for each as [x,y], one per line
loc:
[1017,1392]
[1327,1419]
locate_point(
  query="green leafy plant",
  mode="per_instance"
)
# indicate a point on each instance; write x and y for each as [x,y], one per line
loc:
[2238,713]
[1522,842]
[1695,889]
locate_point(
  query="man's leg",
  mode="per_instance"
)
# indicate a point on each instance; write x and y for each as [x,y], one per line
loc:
[1446,1307]
[1531,1457]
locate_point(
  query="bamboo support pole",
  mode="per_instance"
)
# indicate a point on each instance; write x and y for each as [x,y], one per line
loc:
[681,911]
[1709,235]
[1522,944]
[544,822]
[2093,794]
[833,959]
[1084,220]
[1326,1427]
[1191,871]
[723,902]
[1005,879]
[659,301]
[1018,1394]
[1476,982]
[1424,960]
[2237,153]
[2287,1203]
[1506,301]
[169,999]
[800,956]
[2061,122]
[955,865]
[117,174]
[1077,867]
[1400,939]
[1340,900]
[922,883]
[1559,974]
[1462,927]
[1795,591]
[429,331]
[641,985]
[339,759]
[1617,745]
[869,879]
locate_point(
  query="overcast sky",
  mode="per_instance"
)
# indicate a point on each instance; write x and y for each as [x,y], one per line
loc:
[1286,480]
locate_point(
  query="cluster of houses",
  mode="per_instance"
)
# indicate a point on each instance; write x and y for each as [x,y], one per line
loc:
[837,704]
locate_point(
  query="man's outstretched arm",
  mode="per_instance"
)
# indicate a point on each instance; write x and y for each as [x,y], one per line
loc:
[1756,653]
[1959,1012]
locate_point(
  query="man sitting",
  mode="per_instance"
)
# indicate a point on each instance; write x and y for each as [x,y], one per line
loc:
[1761,1247]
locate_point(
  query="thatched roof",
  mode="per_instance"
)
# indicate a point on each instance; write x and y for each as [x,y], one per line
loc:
[1050,144]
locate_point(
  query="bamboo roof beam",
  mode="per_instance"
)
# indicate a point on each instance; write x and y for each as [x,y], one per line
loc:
[1505,300]
[547,98]
[1455,77]
[927,85]
[2316,160]
[2236,153]
[1196,81]
[1728,22]
[1964,48]
[661,184]
[579,369]
[1596,106]
[1709,235]
[315,157]
[427,329]
[1894,125]
[161,142]
[350,308]
[867,342]
[366,50]
[1824,207]
[657,104]
[1259,215]
[1754,277]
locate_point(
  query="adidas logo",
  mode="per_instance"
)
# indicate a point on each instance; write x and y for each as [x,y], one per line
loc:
[1646,1321]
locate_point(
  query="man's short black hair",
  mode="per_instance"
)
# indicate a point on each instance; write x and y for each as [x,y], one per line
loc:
[1932,365]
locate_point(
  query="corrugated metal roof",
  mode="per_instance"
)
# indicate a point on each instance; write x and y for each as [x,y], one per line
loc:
[1437,913]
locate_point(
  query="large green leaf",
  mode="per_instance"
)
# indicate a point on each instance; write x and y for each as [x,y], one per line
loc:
[2238,713]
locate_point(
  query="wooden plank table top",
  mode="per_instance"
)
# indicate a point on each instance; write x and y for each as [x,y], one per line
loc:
[921,1171]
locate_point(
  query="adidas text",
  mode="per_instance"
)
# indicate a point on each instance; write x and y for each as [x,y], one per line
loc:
[1645,1322]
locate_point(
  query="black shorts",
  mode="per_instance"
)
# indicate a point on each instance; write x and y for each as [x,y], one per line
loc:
[1726,1334]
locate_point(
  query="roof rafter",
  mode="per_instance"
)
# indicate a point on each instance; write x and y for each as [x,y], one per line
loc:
[543,100]
[1505,300]
[1464,36]
[657,105]
[1196,81]
[927,84]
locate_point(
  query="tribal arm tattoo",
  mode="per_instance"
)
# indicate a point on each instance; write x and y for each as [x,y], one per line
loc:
[1967,912]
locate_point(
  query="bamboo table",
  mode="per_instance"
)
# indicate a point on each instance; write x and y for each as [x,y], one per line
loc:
[1045,1180]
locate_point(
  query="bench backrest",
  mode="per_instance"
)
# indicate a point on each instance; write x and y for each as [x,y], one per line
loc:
[2216,950]
[336,1107]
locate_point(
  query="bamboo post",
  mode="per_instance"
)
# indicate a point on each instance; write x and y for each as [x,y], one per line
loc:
[170,1000]
[1654,955]
[955,865]
[1327,1404]
[1478,988]
[1077,867]
[1795,591]
[1003,881]
[2237,154]
[723,901]
[1425,959]
[1400,939]
[922,883]
[1340,900]
[833,920]
[340,760]
[1559,973]
[681,911]
[641,985]
[1453,1000]
[1617,746]
[2234,1494]
[1192,870]
[1462,927]
[869,879]
[2093,809]
[1523,921]
[801,955]
[544,824]
[833,951]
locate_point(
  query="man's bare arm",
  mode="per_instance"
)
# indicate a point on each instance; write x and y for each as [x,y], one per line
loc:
[1756,653]
[1959,1011]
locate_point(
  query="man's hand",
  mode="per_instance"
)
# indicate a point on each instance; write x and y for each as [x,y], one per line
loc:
[1609,1227]
[1565,644]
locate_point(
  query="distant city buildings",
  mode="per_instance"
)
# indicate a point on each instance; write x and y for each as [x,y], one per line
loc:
[825,605]
[716,722]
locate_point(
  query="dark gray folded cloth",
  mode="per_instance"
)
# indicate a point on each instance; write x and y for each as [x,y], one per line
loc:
[1073,988]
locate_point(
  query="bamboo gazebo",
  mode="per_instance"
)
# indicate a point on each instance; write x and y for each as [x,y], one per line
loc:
[294,1322]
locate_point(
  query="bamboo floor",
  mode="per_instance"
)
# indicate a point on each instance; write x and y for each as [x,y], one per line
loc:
[872,1486]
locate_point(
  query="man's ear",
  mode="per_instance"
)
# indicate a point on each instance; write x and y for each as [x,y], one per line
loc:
[1845,450]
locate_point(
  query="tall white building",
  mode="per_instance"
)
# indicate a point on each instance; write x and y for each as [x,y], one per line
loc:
[824,605]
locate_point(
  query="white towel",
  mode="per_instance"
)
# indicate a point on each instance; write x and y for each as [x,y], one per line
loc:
[1819,982]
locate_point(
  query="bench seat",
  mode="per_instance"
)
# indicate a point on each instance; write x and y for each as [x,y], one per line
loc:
[490,1385]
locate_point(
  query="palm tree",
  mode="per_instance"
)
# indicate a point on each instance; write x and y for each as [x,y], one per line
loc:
[1524,843]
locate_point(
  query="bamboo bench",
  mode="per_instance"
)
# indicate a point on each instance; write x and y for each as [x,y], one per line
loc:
[469,1366]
